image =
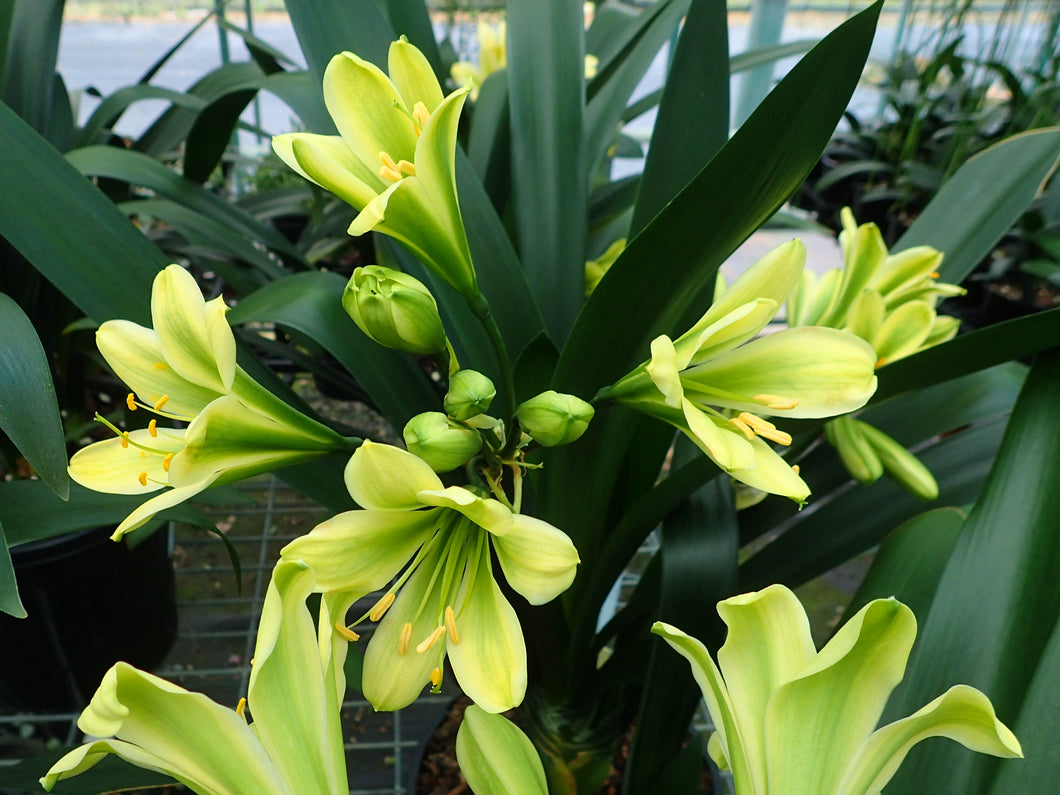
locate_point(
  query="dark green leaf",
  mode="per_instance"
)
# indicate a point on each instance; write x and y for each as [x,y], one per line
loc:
[110,775]
[29,412]
[211,134]
[47,220]
[327,27]
[107,113]
[983,200]
[998,600]
[10,602]
[546,94]
[411,18]
[695,98]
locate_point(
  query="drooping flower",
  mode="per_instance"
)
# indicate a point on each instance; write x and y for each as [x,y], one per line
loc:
[791,719]
[446,601]
[716,383]
[294,743]
[393,159]
[184,369]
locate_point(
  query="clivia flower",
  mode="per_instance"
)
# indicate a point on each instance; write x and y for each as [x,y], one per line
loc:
[716,383]
[446,601]
[393,159]
[293,743]
[794,720]
[184,369]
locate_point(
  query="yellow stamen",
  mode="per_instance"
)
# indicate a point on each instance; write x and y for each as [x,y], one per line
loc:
[143,455]
[161,402]
[450,624]
[241,707]
[167,461]
[346,632]
[431,639]
[420,115]
[160,365]
[381,607]
[389,171]
[933,275]
[775,402]
[405,639]
[142,477]
[880,362]
[124,437]
[130,401]
[743,427]
[765,429]
[436,676]
[405,167]
[795,468]
[152,427]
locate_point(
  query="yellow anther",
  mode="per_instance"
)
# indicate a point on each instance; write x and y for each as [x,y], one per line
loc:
[130,401]
[933,275]
[420,115]
[436,676]
[742,426]
[389,171]
[765,429]
[167,461]
[880,362]
[381,607]
[152,427]
[160,365]
[430,640]
[161,402]
[450,624]
[143,455]
[241,707]
[405,167]
[142,477]
[124,437]
[795,468]
[775,402]
[405,639]
[346,632]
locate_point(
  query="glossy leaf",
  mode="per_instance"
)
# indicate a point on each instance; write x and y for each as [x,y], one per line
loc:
[311,304]
[546,94]
[998,600]
[10,602]
[693,120]
[29,412]
[983,200]
[47,219]
[328,27]
[410,18]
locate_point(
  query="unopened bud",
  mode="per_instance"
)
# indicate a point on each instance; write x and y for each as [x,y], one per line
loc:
[394,309]
[470,394]
[441,442]
[553,419]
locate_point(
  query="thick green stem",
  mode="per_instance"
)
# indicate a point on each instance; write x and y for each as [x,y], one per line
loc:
[481,310]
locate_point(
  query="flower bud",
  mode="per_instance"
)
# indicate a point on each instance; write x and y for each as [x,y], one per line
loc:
[441,442]
[553,419]
[394,309]
[470,394]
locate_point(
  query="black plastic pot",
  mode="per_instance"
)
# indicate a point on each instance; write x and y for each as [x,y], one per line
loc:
[91,602]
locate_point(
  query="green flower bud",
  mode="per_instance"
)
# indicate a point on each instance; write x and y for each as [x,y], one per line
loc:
[394,309]
[470,394]
[441,442]
[553,419]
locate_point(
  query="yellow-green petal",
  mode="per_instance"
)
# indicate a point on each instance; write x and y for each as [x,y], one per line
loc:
[412,75]
[495,756]
[382,477]
[110,467]
[485,512]
[538,560]
[962,713]
[362,551]
[772,474]
[331,164]
[774,276]
[903,331]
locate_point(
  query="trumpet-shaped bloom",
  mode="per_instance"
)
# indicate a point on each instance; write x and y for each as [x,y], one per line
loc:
[294,744]
[796,721]
[184,369]
[393,159]
[716,383]
[446,602]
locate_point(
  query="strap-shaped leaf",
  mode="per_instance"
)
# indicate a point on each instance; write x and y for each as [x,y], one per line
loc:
[983,200]
[10,602]
[311,303]
[546,95]
[327,27]
[29,412]
[48,218]
[998,601]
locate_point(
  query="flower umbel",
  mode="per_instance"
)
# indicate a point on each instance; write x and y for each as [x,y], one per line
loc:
[803,722]
[393,159]
[716,383]
[184,370]
[294,743]
[446,601]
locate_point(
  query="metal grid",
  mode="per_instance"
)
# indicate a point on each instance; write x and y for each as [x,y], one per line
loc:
[216,633]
